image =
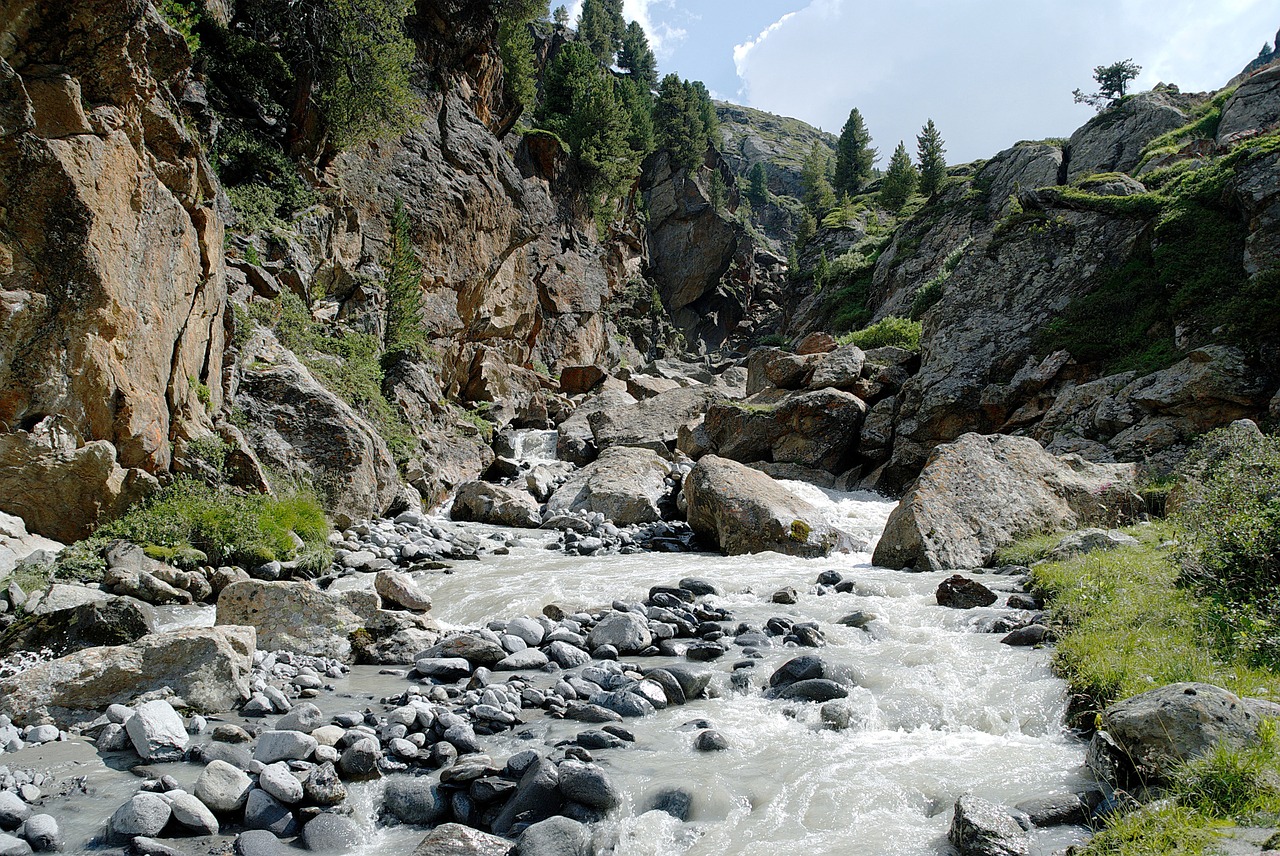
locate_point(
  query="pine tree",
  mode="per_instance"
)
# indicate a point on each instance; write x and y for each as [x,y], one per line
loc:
[932,157]
[561,16]
[758,189]
[404,286]
[515,46]
[854,155]
[595,30]
[581,106]
[636,57]
[806,229]
[638,101]
[819,197]
[900,180]
[679,122]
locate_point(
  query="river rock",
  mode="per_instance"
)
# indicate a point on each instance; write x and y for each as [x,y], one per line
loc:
[981,828]
[98,623]
[813,689]
[742,510]
[276,746]
[42,833]
[208,667]
[359,761]
[193,814]
[816,429]
[304,717]
[482,502]
[263,811]
[556,836]
[1060,809]
[222,787]
[587,784]
[983,492]
[454,839]
[13,846]
[401,591]
[1159,728]
[331,833]
[144,814]
[323,787]
[959,592]
[627,632]
[13,811]
[290,616]
[624,484]
[414,799]
[526,629]
[529,658]
[471,647]
[260,842]
[60,597]
[279,781]
[1089,540]
[157,732]
[537,797]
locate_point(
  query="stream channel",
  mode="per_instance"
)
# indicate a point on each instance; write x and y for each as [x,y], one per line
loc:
[941,708]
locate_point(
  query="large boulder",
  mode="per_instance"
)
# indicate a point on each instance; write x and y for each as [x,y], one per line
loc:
[742,510]
[1113,140]
[816,429]
[576,443]
[113,293]
[96,623]
[1162,727]
[86,477]
[157,732]
[654,423]
[298,426]
[208,667]
[983,492]
[482,502]
[624,484]
[290,616]
[16,543]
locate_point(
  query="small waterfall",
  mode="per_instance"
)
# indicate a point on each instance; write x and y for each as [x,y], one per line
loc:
[534,447]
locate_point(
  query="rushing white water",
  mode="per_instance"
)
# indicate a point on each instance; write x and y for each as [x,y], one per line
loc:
[535,447]
[940,710]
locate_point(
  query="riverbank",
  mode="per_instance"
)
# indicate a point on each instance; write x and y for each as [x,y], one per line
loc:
[1126,624]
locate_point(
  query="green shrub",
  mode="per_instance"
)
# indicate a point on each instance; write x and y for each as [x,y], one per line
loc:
[211,450]
[224,525]
[183,16]
[1152,831]
[1230,512]
[1231,782]
[887,332]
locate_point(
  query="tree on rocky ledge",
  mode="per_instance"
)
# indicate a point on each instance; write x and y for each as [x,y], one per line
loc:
[932,157]
[900,180]
[515,46]
[1113,84]
[854,156]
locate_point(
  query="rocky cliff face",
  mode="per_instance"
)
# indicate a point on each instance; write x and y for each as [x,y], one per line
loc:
[111,275]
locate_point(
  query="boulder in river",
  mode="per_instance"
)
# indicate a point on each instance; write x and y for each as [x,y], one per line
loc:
[982,828]
[482,502]
[290,616]
[959,592]
[157,732]
[627,632]
[454,839]
[983,492]
[208,667]
[1156,730]
[742,510]
[624,484]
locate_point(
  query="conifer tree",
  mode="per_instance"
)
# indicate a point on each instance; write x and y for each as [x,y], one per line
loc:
[636,57]
[806,229]
[900,180]
[819,197]
[682,120]
[561,16]
[932,157]
[854,155]
[758,188]
[515,46]
[581,106]
[596,31]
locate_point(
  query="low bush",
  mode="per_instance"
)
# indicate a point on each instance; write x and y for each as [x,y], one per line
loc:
[228,527]
[887,332]
[1229,510]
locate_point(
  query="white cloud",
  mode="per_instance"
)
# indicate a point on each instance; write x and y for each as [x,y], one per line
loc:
[989,72]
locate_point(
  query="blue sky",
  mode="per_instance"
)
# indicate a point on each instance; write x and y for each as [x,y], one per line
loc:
[988,72]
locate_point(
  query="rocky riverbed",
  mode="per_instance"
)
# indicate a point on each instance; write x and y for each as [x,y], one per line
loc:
[630,704]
